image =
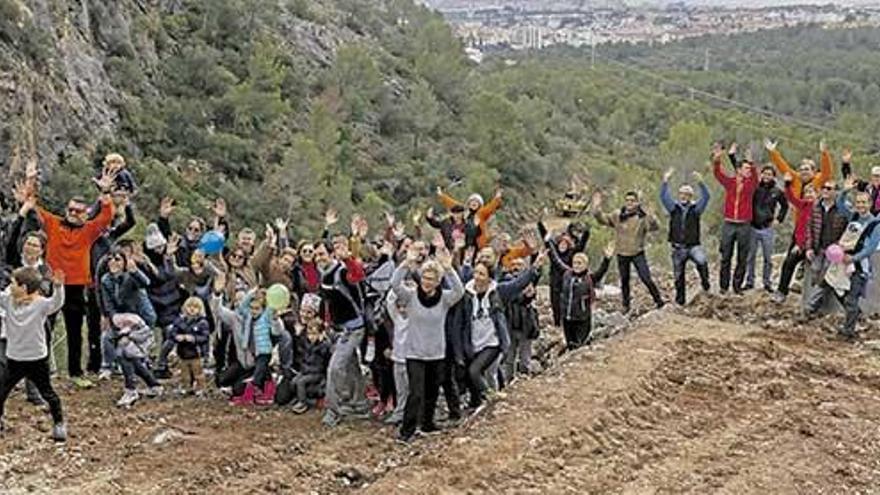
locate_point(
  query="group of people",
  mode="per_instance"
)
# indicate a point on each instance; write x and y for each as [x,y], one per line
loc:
[306,324]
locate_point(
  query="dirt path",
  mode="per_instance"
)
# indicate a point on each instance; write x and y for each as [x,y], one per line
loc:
[677,404]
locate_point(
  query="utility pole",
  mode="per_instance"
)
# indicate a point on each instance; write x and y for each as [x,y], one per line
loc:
[706,61]
[592,51]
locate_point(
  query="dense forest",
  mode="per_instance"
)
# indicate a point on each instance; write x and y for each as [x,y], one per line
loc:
[287,108]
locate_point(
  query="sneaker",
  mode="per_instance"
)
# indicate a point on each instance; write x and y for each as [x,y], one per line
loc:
[404,439]
[299,408]
[105,375]
[778,297]
[81,382]
[430,430]
[59,432]
[128,398]
[36,400]
[156,391]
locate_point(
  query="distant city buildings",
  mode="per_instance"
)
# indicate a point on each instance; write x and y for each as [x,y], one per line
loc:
[530,24]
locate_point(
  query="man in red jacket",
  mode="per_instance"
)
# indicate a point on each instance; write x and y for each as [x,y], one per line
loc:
[69,242]
[736,233]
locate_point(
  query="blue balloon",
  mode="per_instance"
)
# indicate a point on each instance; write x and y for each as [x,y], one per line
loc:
[212,242]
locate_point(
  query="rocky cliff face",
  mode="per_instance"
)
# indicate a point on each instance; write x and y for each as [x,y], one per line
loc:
[59,84]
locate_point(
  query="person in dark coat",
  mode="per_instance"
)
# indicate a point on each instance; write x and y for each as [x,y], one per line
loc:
[578,296]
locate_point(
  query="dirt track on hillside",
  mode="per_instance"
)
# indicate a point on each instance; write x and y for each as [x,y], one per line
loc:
[676,404]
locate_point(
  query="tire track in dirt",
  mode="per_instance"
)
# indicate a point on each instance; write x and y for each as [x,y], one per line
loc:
[721,408]
[674,405]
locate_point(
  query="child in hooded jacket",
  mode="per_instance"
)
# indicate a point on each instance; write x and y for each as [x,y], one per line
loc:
[190,331]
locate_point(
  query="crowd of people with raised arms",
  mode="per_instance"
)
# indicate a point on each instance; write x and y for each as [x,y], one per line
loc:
[373,324]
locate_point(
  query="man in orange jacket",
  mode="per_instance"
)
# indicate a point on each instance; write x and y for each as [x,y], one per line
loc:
[69,242]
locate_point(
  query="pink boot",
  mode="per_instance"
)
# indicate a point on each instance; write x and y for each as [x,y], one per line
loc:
[265,397]
[246,398]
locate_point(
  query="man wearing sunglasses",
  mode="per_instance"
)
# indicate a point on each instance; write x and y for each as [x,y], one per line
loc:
[860,241]
[827,224]
[69,241]
[806,172]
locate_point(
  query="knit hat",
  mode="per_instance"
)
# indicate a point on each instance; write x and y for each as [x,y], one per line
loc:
[127,320]
[875,171]
[476,197]
[154,239]
[312,302]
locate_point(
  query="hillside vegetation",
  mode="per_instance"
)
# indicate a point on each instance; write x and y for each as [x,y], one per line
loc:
[289,107]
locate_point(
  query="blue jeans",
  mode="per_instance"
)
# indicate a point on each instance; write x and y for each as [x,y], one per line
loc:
[680,257]
[763,238]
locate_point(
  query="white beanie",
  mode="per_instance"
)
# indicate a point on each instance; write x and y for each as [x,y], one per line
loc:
[312,302]
[476,197]
[154,239]
[875,171]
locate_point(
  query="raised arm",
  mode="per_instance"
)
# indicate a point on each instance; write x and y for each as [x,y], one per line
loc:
[666,198]
[843,203]
[456,290]
[511,288]
[703,202]
[826,167]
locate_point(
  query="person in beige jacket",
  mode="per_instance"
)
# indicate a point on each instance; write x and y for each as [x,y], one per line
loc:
[631,225]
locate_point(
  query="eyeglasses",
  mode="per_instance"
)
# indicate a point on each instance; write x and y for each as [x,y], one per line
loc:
[829,188]
[236,256]
[76,210]
[307,251]
[194,228]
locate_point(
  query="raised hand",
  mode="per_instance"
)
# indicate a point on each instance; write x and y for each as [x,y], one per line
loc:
[668,175]
[698,177]
[219,208]
[770,145]
[173,245]
[399,230]
[105,183]
[57,278]
[846,157]
[823,146]
[437,241]
[166,207]
[412,257]
[389,219]
[31,171]
[732,149]
[331,217]
[717,152]
[219,282]
[541,259]
[355,224]
[597,200]
[530,237]
[850,183]
[281,226]
[269,235]
[609,250]
[444,258]
[417,217]
[499,192]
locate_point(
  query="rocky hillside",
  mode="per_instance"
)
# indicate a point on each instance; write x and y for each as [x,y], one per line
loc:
[227,95]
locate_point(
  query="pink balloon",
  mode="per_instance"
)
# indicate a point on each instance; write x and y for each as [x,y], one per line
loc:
[834,253]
